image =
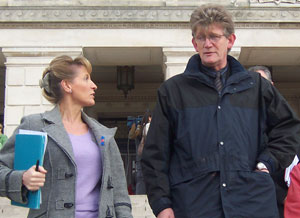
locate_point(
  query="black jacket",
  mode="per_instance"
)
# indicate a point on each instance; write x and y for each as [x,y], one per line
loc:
[203,147]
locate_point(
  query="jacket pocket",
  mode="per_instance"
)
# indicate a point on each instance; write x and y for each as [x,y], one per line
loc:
[252,194]
[185,194]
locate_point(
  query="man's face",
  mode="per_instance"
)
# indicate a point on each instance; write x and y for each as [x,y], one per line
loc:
[212,45]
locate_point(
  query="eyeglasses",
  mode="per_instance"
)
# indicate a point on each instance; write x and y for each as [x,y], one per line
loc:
[214,38]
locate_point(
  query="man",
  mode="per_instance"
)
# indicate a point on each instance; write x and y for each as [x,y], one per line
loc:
[278,177]
[263,71]
[205,154]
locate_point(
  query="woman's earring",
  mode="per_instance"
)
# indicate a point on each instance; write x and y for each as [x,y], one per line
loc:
[70,91]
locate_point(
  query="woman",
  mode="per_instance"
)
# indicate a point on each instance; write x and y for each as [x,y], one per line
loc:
[83,174]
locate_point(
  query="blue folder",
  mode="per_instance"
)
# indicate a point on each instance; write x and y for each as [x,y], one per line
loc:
[29,149]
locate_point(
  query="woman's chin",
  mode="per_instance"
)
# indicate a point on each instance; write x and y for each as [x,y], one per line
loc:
[89,104]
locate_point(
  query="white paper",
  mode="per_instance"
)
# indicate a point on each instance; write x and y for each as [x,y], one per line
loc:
[288,170]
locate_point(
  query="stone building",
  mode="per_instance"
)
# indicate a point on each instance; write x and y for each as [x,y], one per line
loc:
[152,36]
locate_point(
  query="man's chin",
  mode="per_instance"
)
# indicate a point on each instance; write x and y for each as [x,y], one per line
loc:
[208,63]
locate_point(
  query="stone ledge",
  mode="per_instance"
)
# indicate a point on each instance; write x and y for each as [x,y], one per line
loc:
[263,3]
[139,14]
[109,3]
[141,25]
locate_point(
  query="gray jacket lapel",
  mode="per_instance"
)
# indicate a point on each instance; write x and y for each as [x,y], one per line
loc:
[55,129]
[102,134]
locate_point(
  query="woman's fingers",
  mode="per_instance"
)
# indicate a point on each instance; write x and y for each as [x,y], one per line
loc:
[42,170]
[33,180]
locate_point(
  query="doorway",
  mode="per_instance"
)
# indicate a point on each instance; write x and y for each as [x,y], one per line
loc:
[113,108]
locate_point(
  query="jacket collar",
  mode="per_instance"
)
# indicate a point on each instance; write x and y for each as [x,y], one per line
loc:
[102,134]
[238,74]
[193,67]
[55,129]
[53,116]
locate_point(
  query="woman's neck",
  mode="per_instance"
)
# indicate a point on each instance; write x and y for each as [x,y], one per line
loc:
[71,118]
[70,113]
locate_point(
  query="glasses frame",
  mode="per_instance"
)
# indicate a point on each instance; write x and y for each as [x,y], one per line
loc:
[213,38]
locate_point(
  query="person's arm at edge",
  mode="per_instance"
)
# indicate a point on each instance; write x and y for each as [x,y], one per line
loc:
[11,184]
[283,130]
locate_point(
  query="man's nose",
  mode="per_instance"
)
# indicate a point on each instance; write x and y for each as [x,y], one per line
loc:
[207,42]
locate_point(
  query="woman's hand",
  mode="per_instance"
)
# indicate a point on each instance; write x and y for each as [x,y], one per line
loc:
[33,180]
[166,213]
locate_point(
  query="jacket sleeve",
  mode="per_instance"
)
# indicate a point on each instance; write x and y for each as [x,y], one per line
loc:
[11,185]
[156,157]
[282,129]
[122,202]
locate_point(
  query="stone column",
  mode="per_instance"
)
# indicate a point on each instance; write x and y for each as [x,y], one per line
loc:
[24,68]
[175,60]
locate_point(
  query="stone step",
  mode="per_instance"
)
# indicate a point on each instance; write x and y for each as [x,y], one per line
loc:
[9,211]
[140,208]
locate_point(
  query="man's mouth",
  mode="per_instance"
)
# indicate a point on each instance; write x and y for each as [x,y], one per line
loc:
[208,53]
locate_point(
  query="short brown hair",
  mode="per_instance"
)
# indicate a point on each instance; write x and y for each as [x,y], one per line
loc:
[60,68]
[208,14]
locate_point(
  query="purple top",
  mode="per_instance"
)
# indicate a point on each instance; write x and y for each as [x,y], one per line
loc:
[89,172]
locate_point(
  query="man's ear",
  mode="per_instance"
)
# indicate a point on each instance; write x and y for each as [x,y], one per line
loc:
[231,40]
[195,44]
[66,86]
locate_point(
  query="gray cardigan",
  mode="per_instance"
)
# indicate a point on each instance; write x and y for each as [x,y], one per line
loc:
[58,193]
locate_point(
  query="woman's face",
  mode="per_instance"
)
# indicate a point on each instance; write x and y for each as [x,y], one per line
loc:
[83,88]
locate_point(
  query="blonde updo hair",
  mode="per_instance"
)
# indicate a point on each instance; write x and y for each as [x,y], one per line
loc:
[60,69]
[209,14]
